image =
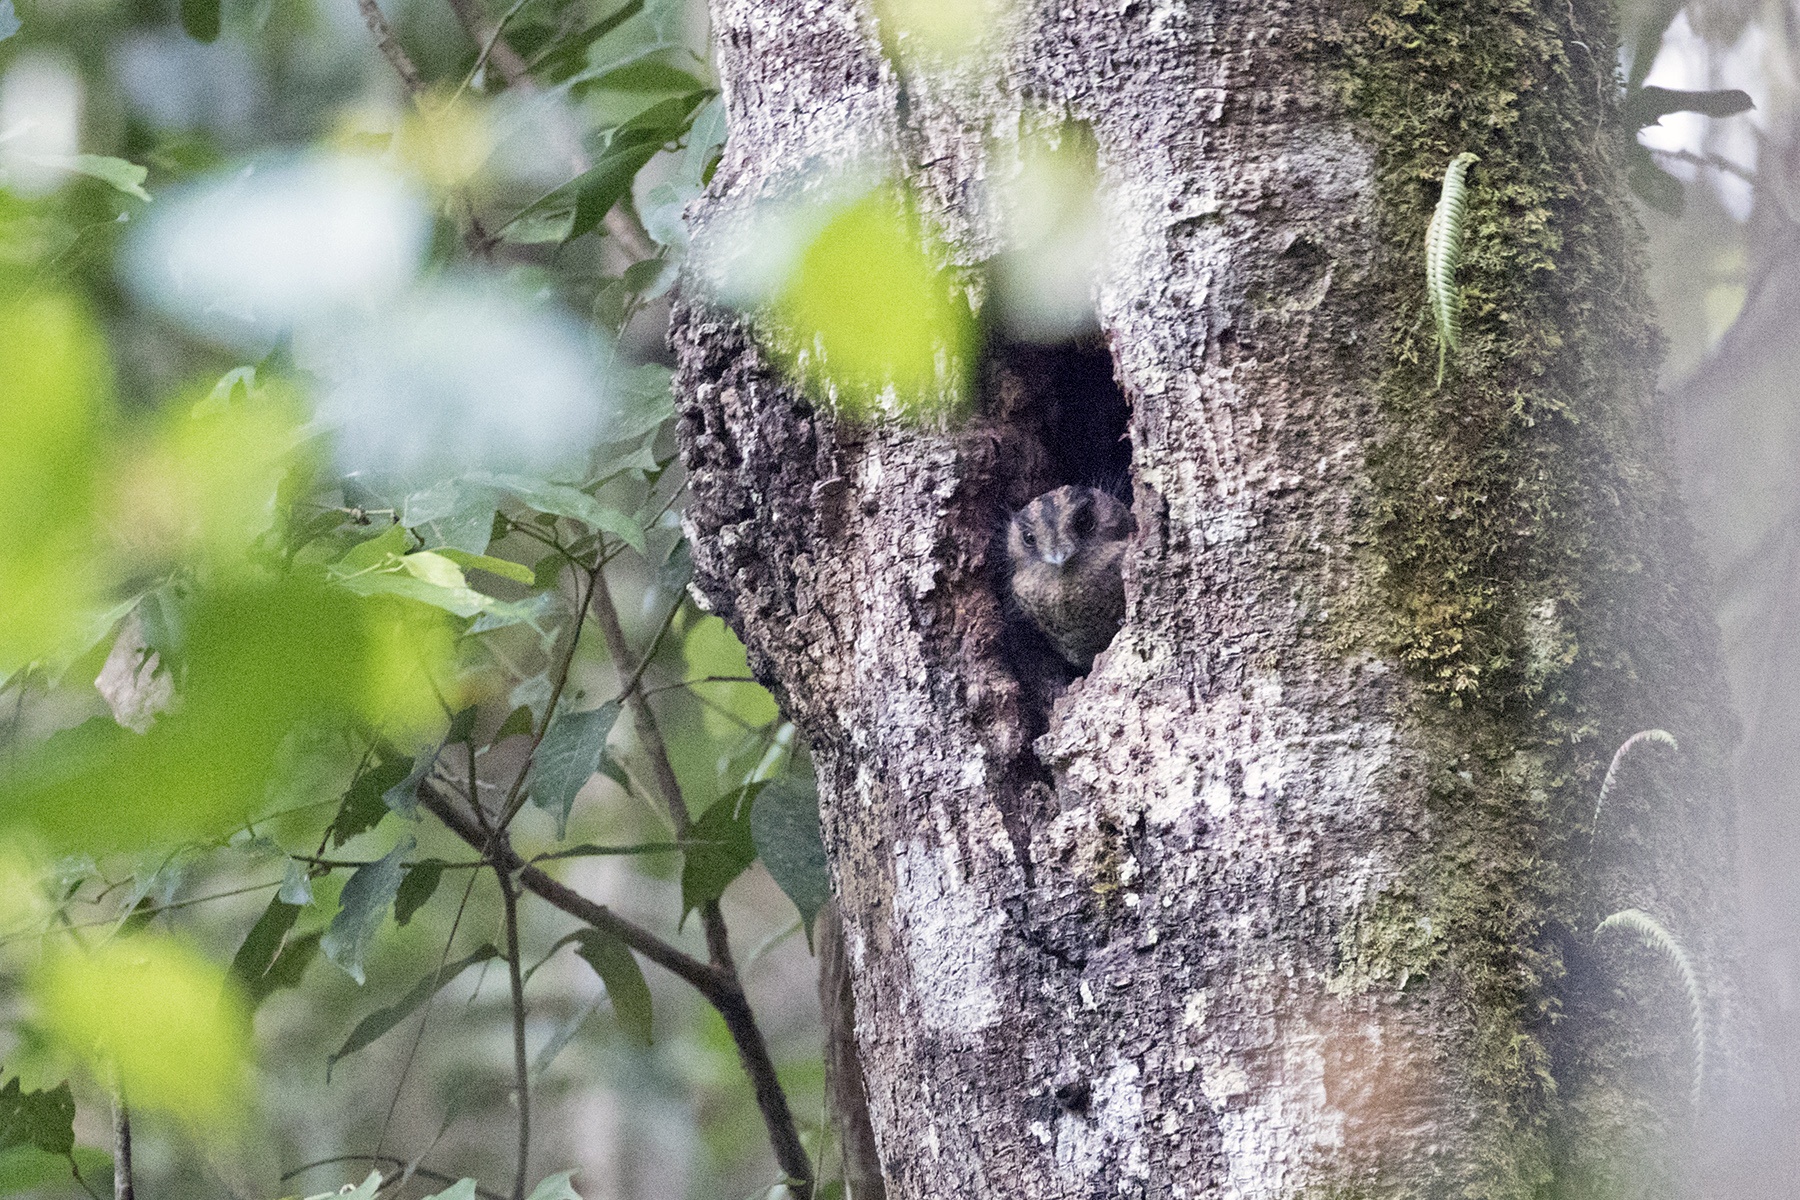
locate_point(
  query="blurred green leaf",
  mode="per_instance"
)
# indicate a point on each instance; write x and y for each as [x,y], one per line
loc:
[517,572]
[712,650]
[720,849]
[658,27]
[158,1017]
[870,308]
[592,194]
[421,882]
[561,500]
[641,401]
[27,1169]
[556,1187]
[124,176]
[262,945]
[519,722]
[52,398]
[361,906]
[785,827]
[618,969]
[200,19]
[44,1119]
[382,1020]
[365,803]
[569,53]
[568,757]
[288,969]
[259,662]
[462,1189]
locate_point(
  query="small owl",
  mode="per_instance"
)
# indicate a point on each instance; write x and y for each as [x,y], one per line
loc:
[1066,548]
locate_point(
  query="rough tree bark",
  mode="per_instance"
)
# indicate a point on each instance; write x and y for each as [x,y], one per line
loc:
[1297,893]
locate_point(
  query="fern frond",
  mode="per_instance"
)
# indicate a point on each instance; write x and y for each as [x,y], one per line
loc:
[1612,771]
[1443,253]
[1657,937]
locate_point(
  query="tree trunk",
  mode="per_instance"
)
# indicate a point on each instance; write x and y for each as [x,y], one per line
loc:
[1298,891]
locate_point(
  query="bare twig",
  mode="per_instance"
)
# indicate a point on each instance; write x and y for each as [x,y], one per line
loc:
[390,47]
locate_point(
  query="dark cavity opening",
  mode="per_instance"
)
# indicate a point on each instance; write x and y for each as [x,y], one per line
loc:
[1067,419]
[1061,418]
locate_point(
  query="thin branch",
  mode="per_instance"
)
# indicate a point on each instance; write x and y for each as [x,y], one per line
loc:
[718,942]
[753,1053]
[695,973]
[509,898]
[515,799]
[688,683]
[390,47]
[720,988]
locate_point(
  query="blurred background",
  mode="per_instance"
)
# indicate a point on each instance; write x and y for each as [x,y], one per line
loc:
[279,116]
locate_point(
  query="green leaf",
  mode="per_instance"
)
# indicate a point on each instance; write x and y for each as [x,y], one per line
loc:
[361,906]
[422,879]
[661,27]
[518,723]
[641,401]
[200,19]
[124,176]
[556,1187]
[569,53]
[263,944]
[721,849]
[9,19]
[288,969]
[517,572]
[1649,105]
[26,1169]
[462,1189]
[618,969]
[379,1022]
[44,1119]
[568,757]
[561,500]
[785,826]
[592,194]
[365,803]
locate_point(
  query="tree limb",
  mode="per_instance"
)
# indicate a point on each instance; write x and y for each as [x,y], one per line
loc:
[390,47]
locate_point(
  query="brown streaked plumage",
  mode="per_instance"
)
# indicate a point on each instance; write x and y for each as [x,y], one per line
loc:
[1066,548]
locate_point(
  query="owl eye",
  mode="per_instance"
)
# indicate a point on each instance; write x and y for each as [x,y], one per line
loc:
[1028,537]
